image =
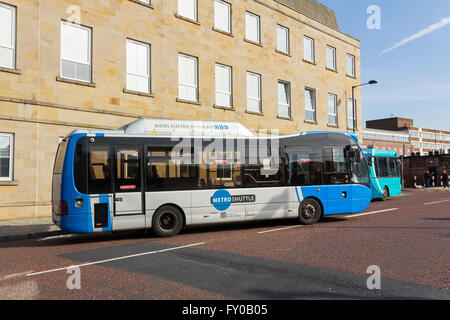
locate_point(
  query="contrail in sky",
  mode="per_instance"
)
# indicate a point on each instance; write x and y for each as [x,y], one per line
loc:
[420,34]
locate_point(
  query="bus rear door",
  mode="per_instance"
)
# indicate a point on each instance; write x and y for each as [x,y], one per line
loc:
[128,188]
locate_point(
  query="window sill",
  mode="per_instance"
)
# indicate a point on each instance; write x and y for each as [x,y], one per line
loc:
[224,108]
[80,83]
[310,62]
[138,93]
[223,32]
[350,76]
[187,19]
[284,118]
[311,122]
[332,70]
[148,5]
[283,53]
[12,183]
[254,113]
[253,42]
[332,125]
[9,70]
[197,103]
[351,129]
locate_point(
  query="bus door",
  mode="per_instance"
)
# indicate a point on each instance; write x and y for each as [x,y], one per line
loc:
[360,180]
[128,188]
[337,179]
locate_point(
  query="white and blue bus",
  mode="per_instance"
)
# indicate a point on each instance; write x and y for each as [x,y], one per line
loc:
[166,174]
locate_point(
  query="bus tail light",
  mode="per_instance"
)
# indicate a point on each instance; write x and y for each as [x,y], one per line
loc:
[63,208]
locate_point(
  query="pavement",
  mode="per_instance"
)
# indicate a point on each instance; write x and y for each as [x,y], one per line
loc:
[12,230]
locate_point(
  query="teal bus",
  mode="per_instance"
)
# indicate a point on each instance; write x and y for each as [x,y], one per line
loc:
[384,169]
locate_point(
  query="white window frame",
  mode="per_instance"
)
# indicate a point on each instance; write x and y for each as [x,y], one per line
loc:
[258,33]
[181,10]
[351,122]
[189,85]
[148,76]
[74,25]
[11,46]
[313,53]
[353,71]
[11,156]
[228,5]
[258,98]
[335,115]
[230,93]
[313,105]
[334,66]
[282,105]
[287,35]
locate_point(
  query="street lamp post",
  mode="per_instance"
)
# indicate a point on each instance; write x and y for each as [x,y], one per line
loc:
[353,100]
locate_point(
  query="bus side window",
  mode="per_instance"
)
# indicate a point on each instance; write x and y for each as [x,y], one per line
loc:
[393,168]
[99,170]
[305,166]
[382,167]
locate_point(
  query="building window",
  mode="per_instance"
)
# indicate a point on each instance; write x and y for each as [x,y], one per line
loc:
[187,77]
[222,16]
[6,156]
[350,65]
[351,105]
[284,99]
[253,92]
[310,105]
[138,66]
[7,36]
[188,9]
[332,109]
[75,52]
[331,58]
[223,86]
[308,49]
[282,39]
[252,25]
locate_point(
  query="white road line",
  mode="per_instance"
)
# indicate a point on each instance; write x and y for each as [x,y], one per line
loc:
[115,259]
[15,275]
[272,230]
[367,213]
[426,204]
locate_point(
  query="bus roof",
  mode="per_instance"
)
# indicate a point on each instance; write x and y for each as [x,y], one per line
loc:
[379,152]
[188,128]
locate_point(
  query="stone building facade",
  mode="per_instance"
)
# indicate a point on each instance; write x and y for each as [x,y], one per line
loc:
[102,64]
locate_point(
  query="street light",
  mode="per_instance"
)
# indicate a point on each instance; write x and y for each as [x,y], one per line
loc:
[353,100]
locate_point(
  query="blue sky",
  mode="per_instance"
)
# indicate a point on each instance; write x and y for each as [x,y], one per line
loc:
[414,79]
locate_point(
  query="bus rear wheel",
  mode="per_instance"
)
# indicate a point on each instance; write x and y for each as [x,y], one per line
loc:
[385,193]
[309,212]
[167,221]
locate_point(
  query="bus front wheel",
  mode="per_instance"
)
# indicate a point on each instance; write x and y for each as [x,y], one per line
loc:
[167,221]
[310,211]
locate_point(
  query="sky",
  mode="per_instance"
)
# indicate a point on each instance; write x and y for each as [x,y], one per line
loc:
[409,56]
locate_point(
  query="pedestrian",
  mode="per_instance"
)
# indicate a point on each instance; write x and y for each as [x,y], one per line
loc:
[427,179]
[445,179]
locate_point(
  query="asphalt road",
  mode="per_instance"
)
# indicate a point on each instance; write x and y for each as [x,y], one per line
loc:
[406,237]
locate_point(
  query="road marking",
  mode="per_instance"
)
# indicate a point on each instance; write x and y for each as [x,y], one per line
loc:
[272,230]
[425,204]
[115,259]
[365,214]
[15,275]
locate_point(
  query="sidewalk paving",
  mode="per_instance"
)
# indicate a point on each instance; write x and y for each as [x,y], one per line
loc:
[27,229]
[12,230]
